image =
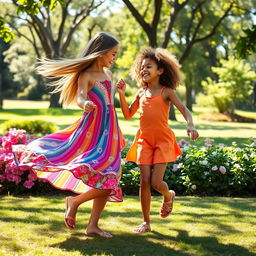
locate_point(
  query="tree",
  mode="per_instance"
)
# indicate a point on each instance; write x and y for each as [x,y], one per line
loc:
[234,85]
[48,37]
[246,44]
[202,22]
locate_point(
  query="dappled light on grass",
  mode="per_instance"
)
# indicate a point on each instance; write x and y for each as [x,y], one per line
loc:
[198,226]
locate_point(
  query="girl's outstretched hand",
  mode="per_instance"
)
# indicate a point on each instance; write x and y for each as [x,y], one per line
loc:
[121,86]
[89,106]
[192,133]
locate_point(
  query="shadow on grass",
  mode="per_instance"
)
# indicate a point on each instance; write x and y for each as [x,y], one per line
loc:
[152,243]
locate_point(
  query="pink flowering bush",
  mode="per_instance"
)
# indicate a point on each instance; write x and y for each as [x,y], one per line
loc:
[207,170]
[10,174]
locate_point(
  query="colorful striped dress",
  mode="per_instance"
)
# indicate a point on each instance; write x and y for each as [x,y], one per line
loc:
[85,155]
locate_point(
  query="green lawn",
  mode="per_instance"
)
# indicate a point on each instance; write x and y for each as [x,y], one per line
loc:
[198,227]
[222,132]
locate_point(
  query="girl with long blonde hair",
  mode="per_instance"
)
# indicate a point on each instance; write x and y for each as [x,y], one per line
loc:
[85,157]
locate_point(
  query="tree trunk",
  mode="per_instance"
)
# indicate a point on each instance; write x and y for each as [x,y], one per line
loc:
[1,91]
[172,115]
[189,99]
[54,101]
[254,95]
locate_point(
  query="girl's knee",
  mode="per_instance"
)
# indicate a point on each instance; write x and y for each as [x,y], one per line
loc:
[145,181]
[156,186]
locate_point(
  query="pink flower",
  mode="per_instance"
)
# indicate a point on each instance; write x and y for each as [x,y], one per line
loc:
[110,183]
[222,169]
[93,180]
[28,184]
[208,142]
[214,168]
[32,176]
[175,168]
[183,142]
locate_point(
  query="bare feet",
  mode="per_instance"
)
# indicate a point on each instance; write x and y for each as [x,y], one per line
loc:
[92,230]
[70,213]
[142,228]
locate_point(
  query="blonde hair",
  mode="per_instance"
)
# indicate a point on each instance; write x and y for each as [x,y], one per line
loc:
[68,70]
[171,77]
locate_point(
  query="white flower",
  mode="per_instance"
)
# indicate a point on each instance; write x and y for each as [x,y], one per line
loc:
[123,161]
[214,168]
[180,165]
[238,149]
[204,162]
[193,187]
[184,149]
[187,156]
[237,166]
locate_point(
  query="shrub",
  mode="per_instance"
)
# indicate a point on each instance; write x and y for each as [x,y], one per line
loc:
[206,170]
[13,179]
[10,174]
[36,127]
[209,170]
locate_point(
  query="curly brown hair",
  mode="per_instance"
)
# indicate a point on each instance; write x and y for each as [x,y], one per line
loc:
[171,77]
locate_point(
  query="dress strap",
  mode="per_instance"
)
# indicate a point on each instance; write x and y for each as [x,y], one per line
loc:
[162,89]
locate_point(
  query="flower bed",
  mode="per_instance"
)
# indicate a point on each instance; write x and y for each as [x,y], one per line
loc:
[206,170]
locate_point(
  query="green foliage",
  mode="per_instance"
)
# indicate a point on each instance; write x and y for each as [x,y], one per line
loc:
[36,127]
[246,44]
[130,181]
[206,170]
[33,7]
[5,31]
[234,84]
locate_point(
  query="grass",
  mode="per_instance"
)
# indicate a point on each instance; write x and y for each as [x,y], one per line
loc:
[208,226]
[221,132]
[205,226]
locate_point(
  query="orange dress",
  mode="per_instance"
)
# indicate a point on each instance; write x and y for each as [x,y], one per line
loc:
[154,142]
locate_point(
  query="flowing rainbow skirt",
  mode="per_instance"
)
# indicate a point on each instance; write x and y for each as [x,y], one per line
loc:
[85,155]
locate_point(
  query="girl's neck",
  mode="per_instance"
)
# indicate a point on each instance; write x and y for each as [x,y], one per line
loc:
[97,67]
[154,85]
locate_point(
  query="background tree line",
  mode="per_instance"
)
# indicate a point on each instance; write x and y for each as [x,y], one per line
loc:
[201,33]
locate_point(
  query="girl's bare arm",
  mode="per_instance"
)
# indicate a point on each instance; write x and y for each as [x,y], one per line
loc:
[82,90]
[128,111]
[173,98]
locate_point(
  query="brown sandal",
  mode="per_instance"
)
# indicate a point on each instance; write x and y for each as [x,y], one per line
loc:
[142,228]
[167,207]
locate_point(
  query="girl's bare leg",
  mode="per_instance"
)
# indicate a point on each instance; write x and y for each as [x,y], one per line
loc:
[145,197]
[74,202]
[157,181]
[93,228]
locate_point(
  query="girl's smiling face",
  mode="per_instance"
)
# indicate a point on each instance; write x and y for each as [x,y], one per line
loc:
[110,56]
[149,70]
